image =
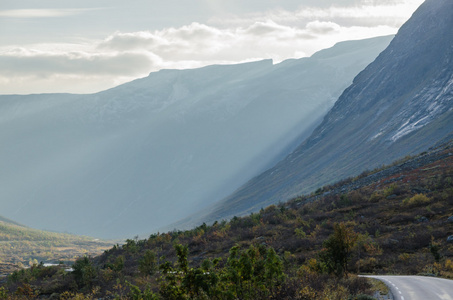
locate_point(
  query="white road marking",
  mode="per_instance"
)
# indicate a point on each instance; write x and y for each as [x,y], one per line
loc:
[402,298]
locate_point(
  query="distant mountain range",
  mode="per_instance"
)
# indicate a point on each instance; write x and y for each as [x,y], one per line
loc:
[147,153]
[21,246]
[401,104]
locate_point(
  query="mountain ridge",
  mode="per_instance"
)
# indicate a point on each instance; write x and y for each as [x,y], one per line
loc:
[398,105]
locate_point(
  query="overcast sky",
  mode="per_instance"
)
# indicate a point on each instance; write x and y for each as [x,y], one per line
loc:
[86,46]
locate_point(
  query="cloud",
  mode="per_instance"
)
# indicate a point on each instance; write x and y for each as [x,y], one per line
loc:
[20,61]
[36,71]
[130,41]
[209,44]
[258,40]
[189,42]
[318,27]
[122,56]
[264,28]
[349,13]
[40,13]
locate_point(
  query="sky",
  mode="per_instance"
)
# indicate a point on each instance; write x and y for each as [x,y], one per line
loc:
[86,46]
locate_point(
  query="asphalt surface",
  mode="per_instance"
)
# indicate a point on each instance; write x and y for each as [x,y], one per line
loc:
[418,287]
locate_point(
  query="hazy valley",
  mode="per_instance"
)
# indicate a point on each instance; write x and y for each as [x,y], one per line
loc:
[266,181]
[143,155]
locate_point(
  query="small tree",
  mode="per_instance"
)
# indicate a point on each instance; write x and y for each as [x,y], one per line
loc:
[434,249]
[147,265]
[84,271]
[136,294]
[119,263]
[273,273]
[337,249]
[182,252]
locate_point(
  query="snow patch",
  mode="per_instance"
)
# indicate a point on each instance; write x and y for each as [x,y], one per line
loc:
[376,136]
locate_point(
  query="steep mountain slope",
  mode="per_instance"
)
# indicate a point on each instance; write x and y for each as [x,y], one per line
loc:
[400,104]
[147,153]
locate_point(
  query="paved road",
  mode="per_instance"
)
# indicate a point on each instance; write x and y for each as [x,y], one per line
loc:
[418,287]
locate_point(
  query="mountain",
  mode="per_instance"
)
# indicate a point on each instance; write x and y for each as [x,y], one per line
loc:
[22,246]
[147,153]
[401,104]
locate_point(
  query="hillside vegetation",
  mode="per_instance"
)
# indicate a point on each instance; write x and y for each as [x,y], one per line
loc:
[22,246]
[395,220]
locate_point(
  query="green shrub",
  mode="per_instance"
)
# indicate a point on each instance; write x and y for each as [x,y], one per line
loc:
[337,249]
[300,233]
[390,190]
[3,293]
[148,265]
[417,200]
[84,272]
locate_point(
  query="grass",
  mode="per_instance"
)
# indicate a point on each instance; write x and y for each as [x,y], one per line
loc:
[379,286]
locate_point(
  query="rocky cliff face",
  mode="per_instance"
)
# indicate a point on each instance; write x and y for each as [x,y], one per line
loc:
[400,104]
